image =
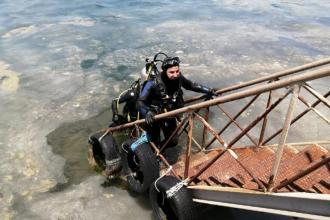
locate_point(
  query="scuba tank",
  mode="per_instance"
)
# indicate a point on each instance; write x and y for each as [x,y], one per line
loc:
[150,69]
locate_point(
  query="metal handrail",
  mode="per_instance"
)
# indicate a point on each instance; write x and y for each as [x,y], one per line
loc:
[311,75]
[295,81]
[271,77]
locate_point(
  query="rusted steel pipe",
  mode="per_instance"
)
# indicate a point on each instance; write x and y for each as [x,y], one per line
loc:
[314,109]
[264,123]
[283,137]
[274,76]
[194,140]
[185,126]
[205,129]
[317,95]
[235,122]
[303,173]
[173,133]
[238,95]
[295,119]
[189,137]
[235,117]
[259,118]
[209,127]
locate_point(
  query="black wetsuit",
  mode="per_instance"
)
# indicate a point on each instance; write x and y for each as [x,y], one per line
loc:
[162,94]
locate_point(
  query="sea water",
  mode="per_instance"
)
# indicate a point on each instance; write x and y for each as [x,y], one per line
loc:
[62,62]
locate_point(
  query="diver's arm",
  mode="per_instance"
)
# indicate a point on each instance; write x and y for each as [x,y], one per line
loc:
[189,85]
[142,105]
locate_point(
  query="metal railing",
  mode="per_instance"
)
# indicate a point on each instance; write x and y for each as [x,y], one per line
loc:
[292,80]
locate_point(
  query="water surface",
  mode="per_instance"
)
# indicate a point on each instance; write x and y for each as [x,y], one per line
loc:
[62,62]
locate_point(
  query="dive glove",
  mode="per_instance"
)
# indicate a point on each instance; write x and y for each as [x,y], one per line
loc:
[212,91]
[150,117]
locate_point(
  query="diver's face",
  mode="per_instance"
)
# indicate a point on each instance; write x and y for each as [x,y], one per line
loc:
[173,72]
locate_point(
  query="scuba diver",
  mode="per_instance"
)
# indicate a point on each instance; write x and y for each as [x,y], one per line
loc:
[155,92]
[129,112]
[164,93]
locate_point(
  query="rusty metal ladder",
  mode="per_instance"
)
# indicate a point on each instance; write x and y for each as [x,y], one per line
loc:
[257,171]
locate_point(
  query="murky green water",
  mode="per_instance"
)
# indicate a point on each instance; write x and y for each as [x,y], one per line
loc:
[70,140]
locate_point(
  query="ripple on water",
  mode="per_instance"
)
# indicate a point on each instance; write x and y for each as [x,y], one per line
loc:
[20,31]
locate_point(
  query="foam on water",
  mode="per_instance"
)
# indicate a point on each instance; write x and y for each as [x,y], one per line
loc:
[9,80]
